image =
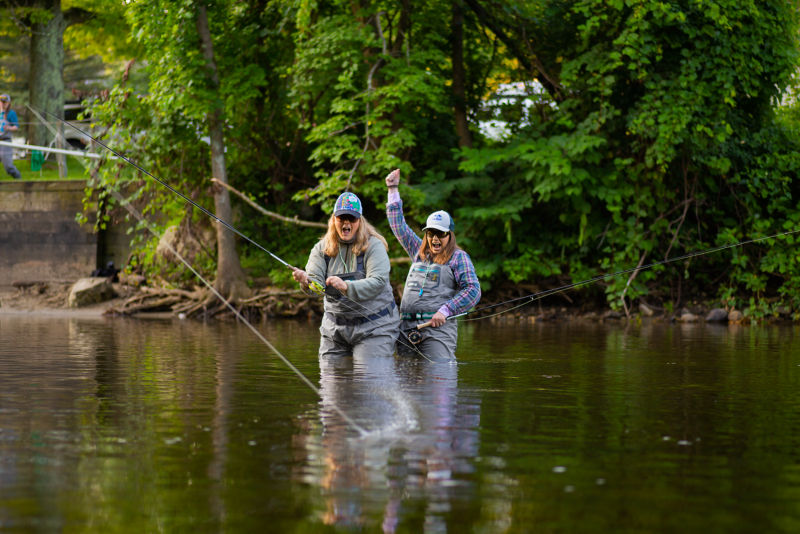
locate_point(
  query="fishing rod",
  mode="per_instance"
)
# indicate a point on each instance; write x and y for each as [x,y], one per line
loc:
[541,294]
[314,285]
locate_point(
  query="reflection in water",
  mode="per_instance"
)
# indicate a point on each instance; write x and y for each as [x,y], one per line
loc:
[422,439]
[170,426]
[92,411]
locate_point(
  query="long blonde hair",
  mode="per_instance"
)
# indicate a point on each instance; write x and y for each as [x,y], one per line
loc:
[360,243]
[446,253]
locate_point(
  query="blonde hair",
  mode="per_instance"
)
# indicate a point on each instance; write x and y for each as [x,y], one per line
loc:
[446,253]
[360,243]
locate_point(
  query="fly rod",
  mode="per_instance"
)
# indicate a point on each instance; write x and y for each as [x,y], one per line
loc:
[315,286]
[541,294]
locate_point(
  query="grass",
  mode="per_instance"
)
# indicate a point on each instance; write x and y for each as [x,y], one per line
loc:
[75,169]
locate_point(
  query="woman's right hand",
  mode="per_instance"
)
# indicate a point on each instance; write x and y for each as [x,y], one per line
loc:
[393,179]
[300,276]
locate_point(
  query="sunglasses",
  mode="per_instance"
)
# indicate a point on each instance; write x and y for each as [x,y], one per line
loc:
[437,233]
[347,218]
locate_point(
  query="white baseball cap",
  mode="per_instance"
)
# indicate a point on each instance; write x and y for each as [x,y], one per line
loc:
[440,220]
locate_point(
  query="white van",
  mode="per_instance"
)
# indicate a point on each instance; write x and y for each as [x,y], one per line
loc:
[72,110]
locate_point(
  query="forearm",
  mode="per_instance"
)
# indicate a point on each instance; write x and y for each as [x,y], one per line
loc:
[316,267]
[397,222]
[469,293]
[462,302]
[376,265]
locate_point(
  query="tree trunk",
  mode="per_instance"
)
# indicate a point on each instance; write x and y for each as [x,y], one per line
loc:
[459,77]
[230,276]
[46,76]
[47,64]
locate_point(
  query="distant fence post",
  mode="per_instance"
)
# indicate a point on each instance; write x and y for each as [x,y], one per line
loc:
[61,158]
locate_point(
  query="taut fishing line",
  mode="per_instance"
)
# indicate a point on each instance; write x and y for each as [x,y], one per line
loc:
[527,299]
[123,202]
[165,184]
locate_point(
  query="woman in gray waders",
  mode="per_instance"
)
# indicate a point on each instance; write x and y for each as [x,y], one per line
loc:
[441,282]
[352,263]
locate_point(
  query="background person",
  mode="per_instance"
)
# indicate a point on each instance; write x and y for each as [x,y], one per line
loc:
[351,259]
[441,281]
[8,124]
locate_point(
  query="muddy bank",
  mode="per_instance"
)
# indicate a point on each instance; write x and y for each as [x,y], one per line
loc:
[269,302]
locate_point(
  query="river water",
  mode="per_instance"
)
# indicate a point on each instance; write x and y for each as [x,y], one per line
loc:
[132,425]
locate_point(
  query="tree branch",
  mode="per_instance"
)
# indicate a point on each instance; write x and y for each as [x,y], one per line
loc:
[533,65]
[292,220]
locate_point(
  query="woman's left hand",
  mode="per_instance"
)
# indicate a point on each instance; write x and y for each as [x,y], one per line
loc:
[438,319]
[337,282]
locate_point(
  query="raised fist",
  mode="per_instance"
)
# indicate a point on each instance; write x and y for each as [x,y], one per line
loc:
[393,178]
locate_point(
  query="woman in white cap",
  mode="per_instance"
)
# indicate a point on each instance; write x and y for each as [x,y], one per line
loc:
[441,282]
[351,262]
[8,123]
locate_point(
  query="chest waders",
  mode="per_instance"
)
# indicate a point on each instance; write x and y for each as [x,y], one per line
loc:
[428,286]
[358,328]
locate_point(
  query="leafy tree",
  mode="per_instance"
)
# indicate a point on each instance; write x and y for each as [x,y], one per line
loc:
[651,129]
[369,84]
[195,86]
[630,162]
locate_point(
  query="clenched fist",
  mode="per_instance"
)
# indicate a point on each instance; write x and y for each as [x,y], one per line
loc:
[393,179]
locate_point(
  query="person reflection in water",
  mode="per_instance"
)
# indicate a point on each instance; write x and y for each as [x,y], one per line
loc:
[421,442]
[352,263]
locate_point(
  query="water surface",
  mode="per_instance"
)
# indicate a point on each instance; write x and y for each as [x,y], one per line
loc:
[164,425]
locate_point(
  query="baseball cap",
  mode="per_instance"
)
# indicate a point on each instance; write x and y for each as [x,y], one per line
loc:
[440,220]
[4,98]
[348,204]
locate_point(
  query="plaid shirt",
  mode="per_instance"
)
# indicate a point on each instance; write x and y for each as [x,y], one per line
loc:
[469,288]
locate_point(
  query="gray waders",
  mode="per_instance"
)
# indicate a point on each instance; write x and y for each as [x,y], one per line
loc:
[358,329]
[428,286]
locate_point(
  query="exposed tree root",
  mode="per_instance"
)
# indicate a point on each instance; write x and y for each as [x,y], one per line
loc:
[202,303]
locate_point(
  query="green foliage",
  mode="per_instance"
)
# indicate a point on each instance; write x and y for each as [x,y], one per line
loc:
[361,105]
[659,146]
[652,130]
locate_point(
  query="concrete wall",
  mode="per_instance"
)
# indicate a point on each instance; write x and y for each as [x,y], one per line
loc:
[39,237]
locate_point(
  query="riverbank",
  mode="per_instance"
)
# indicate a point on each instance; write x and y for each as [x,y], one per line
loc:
[51,298]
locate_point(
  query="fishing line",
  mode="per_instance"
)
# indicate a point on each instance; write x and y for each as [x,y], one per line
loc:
[124,202]
[172,189]
[541,294]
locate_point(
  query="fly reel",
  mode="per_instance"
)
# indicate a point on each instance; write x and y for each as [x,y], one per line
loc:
[414,336]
